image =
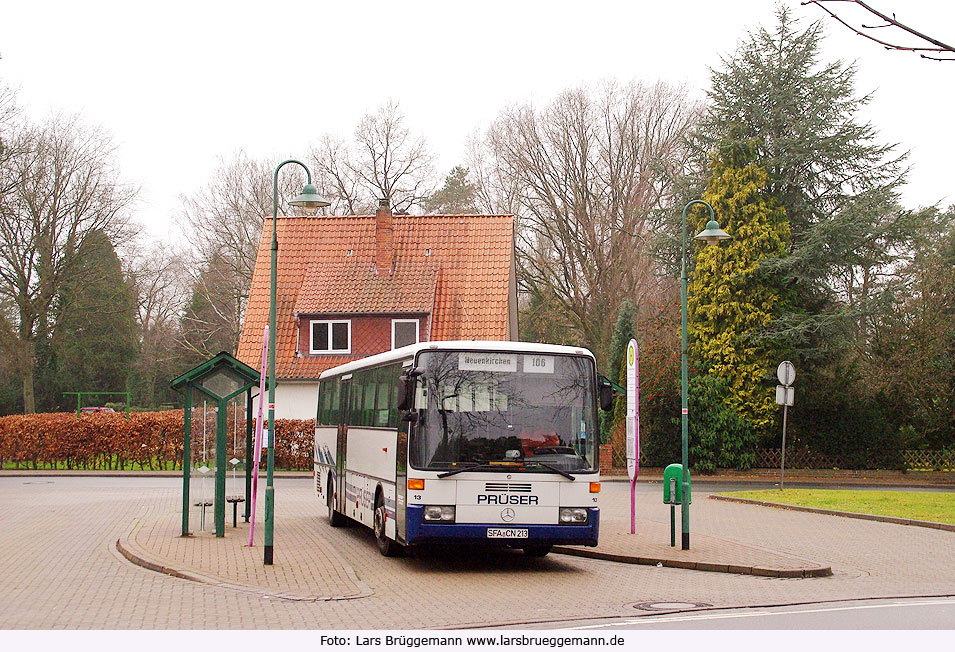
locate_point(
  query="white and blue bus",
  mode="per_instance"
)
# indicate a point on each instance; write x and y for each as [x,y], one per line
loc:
[463,442]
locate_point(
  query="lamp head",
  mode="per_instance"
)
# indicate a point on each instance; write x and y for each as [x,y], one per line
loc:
[712,234]
[309,199]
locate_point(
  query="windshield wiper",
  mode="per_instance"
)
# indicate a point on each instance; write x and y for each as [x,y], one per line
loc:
[475,466]
[472,466]
[553,469]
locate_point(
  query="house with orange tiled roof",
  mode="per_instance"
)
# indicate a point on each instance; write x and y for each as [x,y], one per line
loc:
[349,287]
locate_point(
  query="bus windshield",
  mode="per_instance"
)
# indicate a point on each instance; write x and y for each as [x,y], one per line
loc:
[509,410]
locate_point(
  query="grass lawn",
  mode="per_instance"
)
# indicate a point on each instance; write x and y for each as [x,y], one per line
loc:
[920,505]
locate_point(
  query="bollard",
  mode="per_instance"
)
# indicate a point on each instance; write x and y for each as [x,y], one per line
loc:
[202,520]
[672,513]
[235,500]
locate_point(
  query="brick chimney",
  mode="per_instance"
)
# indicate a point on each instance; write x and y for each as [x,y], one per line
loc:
[384,237]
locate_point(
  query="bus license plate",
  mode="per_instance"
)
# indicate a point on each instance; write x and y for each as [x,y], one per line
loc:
[507,533]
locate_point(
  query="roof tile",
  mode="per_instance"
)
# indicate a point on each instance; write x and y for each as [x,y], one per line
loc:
[325,265]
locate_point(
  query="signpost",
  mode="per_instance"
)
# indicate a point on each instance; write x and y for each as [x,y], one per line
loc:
[257,446]
[633,426]
[786,373]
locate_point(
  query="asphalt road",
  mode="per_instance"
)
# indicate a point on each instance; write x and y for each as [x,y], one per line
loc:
[917,613]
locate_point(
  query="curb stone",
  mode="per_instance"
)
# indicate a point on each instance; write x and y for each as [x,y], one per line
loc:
[818,571]
[138,560]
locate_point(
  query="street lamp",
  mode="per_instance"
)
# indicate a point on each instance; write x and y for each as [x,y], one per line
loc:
[310,200]
[712,234]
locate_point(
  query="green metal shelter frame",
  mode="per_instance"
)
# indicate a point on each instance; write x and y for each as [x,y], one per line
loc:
[221,378]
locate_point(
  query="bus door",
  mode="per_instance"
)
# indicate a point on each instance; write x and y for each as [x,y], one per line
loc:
[401,480]
[344,415]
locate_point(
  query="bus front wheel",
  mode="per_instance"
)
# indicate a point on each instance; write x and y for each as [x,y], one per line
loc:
[387,547]
[335,518]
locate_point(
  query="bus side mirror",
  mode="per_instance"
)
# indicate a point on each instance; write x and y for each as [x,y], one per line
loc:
[406,387]
[606,396]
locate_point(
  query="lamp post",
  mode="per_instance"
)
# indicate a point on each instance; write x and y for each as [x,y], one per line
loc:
[712,234]
[308,199]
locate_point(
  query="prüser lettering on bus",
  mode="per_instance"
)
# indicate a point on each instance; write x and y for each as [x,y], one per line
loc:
[505,499]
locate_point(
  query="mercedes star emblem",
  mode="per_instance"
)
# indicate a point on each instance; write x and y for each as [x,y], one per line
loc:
[507,515]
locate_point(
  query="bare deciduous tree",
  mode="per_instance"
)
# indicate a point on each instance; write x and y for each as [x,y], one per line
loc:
[212,320]
[584,176]
[336,180]
[162,284]
[496,191]
[10,143]
[59,187]
[384,161]
[224,218]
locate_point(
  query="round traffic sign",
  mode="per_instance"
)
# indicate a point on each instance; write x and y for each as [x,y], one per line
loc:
[786,372]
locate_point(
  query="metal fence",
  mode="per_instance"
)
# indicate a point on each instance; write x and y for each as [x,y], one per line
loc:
[796,458]
[770,458]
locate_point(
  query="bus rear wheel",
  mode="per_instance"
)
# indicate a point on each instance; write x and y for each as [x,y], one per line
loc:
[335,518]
[387,547]
[537,551]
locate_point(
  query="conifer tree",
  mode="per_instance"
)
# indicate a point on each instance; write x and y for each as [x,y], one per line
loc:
[732,298]
[458,196]
[825,167]
[623,332]
[94,336]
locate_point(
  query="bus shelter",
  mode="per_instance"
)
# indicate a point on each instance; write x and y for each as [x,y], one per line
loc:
[221,379]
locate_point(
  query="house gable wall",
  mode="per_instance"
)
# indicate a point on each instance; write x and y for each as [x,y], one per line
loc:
[370,334]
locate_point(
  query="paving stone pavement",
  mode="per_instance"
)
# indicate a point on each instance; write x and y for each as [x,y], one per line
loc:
[60,569]
[308,570]
[650,544]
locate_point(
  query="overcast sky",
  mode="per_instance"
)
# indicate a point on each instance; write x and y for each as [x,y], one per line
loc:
[180,84]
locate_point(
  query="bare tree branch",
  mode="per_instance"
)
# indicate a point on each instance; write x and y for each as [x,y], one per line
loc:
[890,22]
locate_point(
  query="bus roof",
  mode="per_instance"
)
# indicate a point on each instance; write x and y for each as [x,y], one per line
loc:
[409,352]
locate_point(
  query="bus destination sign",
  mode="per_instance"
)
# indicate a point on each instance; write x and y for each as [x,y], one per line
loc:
[487,361]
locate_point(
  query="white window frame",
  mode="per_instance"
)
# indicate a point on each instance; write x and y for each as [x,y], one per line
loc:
[417,330]
[327,323]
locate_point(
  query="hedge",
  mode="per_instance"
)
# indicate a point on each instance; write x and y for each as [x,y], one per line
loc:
[147,440]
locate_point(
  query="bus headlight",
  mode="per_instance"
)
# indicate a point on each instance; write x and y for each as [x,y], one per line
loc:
[573,515]
[439,513]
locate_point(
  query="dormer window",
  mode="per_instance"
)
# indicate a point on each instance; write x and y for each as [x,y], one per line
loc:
[403,332]
[330,337]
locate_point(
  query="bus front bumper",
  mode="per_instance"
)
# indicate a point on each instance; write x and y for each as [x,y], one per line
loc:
[419,531]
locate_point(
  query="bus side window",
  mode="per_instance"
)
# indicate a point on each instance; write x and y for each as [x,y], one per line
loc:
[355,398]
[322,389]
[394,374]
[381,397]
[332,411]
[368,404]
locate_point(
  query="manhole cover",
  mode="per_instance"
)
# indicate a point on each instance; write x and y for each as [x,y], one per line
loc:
[670,606]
